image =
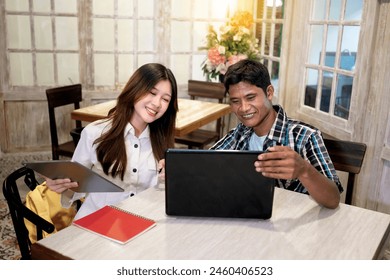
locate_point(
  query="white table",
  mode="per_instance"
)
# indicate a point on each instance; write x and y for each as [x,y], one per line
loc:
[298,229]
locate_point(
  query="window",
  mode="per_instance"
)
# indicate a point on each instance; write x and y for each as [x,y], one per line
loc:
[100,43]
[330,67]
[189,25]
[42,42]
[123,39]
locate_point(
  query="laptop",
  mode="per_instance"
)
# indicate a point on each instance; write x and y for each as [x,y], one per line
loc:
[88,180]
[215,183]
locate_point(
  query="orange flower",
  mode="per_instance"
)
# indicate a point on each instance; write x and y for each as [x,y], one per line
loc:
[242,19]
[215,57]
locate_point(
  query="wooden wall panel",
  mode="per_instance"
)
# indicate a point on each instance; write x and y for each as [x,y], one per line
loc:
[27,125]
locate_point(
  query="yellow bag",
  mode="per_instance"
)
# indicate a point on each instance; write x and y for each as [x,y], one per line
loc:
[47,204]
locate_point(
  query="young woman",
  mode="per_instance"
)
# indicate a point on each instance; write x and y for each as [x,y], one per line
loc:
[127,147]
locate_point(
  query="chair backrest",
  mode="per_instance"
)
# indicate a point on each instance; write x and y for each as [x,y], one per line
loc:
[206,90]
[348,157]
[57,97]
[19,211]
[210,90]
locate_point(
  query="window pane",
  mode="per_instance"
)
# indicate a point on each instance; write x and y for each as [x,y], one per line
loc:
[347,60]
[125,35]
[43,33]
[197,61]
[326,91]
[145,35]
[343,96]
[279,10]
[325,99]
[66,28]
[331,43]
[68,6]
[275,75]
[316,35]
[330,59]
[327,79]
[126,68]
[267,39]
[274,70]
[21,69]
[125,8]
[180,36]
[42,6]
[180,67]
[103,34]
[146,8]
[103,7]
[201,9]
[349,47]
[18,31]
[335,9]
[319,9]
[45,69]
[17,6]
[311,87]
[353,10]
[104,74]
[278,39]
[180,9]
[68,68]
[219,8]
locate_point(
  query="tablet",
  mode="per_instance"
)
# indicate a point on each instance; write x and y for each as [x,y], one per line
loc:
[216,183]
[88,180]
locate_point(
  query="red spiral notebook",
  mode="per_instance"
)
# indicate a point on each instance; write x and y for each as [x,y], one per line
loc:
[114,223]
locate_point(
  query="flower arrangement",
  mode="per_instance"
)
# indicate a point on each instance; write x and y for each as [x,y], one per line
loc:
[235,42]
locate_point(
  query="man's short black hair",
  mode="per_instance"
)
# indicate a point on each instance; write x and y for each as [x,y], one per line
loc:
[249,71]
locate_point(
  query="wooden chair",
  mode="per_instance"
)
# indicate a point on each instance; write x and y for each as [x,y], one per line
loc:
[202,137]
[57,97]
[19,211]
[24,179]
[348,157]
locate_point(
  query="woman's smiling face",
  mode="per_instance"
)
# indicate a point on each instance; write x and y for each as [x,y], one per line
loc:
[152,106]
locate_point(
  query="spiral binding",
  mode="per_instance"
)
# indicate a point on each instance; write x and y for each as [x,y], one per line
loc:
[131,213]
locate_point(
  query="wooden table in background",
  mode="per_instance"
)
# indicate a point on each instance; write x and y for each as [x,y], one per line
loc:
[192,114]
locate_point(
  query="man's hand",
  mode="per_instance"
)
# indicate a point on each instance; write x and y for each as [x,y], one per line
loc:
[281,162]
[284,163]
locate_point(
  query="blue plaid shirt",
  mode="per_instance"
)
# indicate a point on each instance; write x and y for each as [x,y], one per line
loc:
[304,139]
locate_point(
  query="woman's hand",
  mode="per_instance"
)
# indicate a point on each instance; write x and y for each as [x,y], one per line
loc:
[161,170]
[60,185]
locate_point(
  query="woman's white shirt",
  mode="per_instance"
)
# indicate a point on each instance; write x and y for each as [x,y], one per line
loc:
[141,171]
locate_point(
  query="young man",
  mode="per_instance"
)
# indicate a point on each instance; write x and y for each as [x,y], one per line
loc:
[296,155]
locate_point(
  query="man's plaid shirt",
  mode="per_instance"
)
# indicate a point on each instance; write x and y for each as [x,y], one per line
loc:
[306,140]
